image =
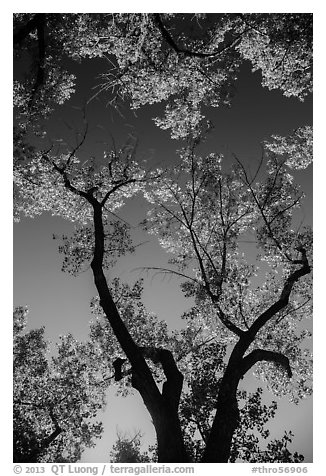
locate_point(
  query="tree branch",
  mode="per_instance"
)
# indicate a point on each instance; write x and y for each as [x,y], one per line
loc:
[202,432]
[261,210]
[286,208]
[34,454]
[250,26]
[116,187]
[284,297]
[258,355]
[229,324]
[167,271]
[293,310]
[172,387]
[196,54]
[67,183]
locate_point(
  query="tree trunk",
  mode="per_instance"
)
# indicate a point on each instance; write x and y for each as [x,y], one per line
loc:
[161,406]
[218,447]
[226,421]
[170,442]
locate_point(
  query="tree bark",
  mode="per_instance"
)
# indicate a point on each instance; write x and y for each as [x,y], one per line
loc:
[170,441]
[163,408]
[226,419]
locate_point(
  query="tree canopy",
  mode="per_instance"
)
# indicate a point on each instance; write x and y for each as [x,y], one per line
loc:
[186,61]
[248,311]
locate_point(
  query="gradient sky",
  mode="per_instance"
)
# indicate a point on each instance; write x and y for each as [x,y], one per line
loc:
[61,302]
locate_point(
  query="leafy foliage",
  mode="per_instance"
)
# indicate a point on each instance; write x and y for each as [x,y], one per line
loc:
[281,47]
[297,148]
[78,249]
[41,185]
[56,399]
[128,450]
[185,61]
[202,359]
[197,413]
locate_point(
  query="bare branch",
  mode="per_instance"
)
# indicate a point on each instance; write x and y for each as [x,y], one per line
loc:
[78,146]
[271,188]
[286,208]
[293,310]
[167,271]
[261,209]
[259,166]
[208,256]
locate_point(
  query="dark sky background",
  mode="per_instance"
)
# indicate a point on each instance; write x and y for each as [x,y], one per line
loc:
[61,302]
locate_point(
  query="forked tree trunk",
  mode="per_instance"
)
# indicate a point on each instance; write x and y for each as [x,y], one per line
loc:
[163,406]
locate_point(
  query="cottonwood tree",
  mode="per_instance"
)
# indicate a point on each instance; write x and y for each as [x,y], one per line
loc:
[200,214]
[252,439]
[186,61]
[201,358]
[56,399]
[205,365]
[64,188]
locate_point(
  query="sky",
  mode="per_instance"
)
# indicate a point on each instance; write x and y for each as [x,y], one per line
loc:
[61,302]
